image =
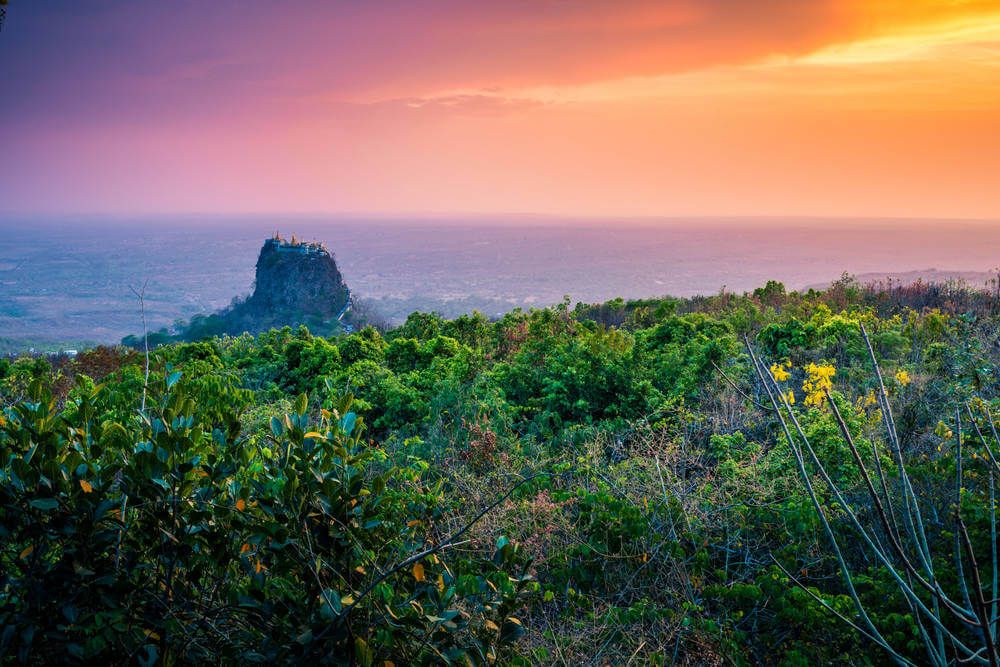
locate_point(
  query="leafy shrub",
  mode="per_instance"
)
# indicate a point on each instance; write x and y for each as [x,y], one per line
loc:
[173,538]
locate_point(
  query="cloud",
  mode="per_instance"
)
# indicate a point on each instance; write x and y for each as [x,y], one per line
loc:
[167,62]
[123,60]
[642,106]
[483,103]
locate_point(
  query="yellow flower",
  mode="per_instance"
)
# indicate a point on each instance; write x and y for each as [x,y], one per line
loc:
[790,397]
[819,380]
[903,378]
[779,373]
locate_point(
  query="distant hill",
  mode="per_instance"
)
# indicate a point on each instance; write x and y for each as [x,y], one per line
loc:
[296,282]
[976,279]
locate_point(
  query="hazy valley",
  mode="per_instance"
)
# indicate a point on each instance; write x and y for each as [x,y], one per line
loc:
[63,284]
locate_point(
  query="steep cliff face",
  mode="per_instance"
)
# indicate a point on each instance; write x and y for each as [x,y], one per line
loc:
[296,283]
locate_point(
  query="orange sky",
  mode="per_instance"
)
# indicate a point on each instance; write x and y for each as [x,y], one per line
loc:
[625,108]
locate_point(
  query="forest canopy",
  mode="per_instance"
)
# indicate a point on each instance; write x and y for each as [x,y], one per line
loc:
[774,477]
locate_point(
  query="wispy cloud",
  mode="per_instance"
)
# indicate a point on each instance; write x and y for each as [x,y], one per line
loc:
[635,106]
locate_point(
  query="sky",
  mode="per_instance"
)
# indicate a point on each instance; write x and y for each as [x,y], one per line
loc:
[863,108]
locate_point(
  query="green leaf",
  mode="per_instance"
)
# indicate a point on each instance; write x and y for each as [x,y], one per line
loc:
[301,403]
[347,423]
[149,655]
[277,428]
[503,551]
[332,605]
[44,504]
[173,378]
[512,630]
[363,653]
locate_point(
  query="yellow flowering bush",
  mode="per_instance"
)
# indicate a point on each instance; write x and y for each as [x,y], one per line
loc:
[780,371]
[819,380]
[903,378]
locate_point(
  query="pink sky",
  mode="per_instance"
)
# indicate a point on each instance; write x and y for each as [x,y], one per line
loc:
[626,108]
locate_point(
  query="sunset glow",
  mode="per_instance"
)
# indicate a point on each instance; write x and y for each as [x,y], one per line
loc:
[712,107]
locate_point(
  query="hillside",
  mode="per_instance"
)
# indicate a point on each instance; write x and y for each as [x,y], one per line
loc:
[762,478]
[975,279]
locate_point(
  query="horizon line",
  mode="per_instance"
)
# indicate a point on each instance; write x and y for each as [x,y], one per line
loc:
[473,217]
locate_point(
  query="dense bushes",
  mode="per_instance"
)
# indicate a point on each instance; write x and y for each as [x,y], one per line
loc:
[642,501]
[170,537]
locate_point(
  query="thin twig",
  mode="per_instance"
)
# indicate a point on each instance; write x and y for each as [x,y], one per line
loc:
[439,546]
[141,295]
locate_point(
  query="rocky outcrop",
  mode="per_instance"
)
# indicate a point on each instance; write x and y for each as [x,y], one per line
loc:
[295,283]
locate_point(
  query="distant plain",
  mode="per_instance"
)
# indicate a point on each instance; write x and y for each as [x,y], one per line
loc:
[66,283]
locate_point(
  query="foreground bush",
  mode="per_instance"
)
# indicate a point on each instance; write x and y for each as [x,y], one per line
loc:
[170,538]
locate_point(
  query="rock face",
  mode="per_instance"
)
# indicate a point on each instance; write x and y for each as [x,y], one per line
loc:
[296,282]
